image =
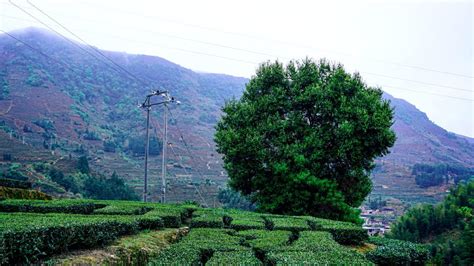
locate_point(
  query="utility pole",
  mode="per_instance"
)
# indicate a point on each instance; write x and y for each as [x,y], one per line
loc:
[163,162]
[147,148]
[147,104]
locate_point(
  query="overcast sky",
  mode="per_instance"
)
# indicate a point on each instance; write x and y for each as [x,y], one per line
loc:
[386,41]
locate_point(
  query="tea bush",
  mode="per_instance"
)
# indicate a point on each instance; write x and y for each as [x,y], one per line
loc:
[397,252]
[42,206]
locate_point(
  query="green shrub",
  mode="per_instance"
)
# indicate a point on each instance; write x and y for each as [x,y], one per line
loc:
[178,254]
[344,233]
[243,220]
[171,216]
[58,206]
[209,218]
[397,252]
[280,222]
[313,258]
[25,238]
[234,258]
[123,209]
[6,182]
[263,240]
[198,247]
[18,193]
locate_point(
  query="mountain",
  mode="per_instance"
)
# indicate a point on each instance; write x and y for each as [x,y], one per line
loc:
[68,103]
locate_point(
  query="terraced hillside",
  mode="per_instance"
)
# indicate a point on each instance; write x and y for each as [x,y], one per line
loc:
[34,231]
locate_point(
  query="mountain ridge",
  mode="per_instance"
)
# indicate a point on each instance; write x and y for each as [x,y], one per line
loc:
[96,105]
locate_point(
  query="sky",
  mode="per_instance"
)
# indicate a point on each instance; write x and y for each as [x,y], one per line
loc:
[420,51]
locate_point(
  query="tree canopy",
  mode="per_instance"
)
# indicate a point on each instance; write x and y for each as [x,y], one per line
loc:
[448,226]
[302,139]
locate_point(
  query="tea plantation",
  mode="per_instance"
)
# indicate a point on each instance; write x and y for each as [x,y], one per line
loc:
[31,231]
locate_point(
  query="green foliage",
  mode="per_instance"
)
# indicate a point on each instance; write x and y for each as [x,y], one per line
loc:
[376,203]
[83,165]
[109,146]
[136,145]
[57,206]
[113,188]
[13,172]
[433,175]
[68,182]
[287,223]
[425,222]
[34,80]
[18,193]
[314,258]
[198,246]
[91,135]
[343,232]
[302,139]
[6,182]
[45,124]
[263,241]
[234,258]
[53,233]
[4,87]
[397,252]
[172,217]
[210,218]
[233,199]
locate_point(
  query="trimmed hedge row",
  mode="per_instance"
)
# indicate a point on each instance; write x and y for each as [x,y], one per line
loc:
[170,216]
[208,218]
[343,232]
[18,193]
[263,240]
[234,258]
[199,246]
[313,258]
[118,209]
[397,252]
[13,183]
[53,206]
[289,223]
[312,248]
[25,238]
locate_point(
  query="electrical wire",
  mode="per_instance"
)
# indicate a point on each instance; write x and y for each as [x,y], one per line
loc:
[68,40]
[250,51]
[156,127]
[249,36]
[83,41]
[387,86]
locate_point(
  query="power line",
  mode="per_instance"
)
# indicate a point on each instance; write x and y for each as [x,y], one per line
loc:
[291,43]
[260,53]
[82,40]
[417,91]
[432,93]
[184,141]
[65,38]
[38,51]
[157,127]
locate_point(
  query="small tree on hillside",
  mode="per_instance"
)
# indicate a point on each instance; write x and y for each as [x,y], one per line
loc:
[302,139]
[83,165]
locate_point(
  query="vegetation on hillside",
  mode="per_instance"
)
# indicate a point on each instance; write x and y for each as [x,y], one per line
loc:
[448,226]
[427,175]
[302,139]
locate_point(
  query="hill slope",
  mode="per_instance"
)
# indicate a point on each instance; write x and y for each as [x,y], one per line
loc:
[84,106]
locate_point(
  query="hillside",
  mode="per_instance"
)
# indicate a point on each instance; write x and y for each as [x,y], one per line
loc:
[82,106]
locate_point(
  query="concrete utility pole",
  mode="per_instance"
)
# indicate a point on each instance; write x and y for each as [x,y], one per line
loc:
[147,104]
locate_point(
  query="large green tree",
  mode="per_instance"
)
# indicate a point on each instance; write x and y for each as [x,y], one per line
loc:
[302,139]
